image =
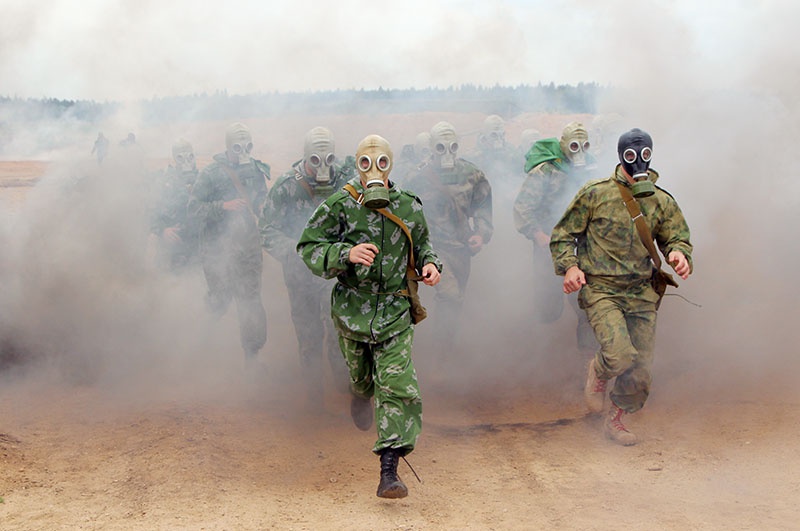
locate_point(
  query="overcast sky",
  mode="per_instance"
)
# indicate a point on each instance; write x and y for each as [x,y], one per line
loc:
[125,49]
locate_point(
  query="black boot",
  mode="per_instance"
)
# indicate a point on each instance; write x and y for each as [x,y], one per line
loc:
[391,486]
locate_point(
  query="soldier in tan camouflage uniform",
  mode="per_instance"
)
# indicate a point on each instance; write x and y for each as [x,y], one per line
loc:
[597,248]
[556,170]
[291,201]
[225,201]
[458,202]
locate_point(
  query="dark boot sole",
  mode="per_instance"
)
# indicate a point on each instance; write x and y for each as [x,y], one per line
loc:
[394,492]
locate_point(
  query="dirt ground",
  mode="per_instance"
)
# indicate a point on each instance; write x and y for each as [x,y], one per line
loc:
[505,445]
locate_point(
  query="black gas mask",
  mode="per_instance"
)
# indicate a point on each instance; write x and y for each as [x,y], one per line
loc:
[635,149]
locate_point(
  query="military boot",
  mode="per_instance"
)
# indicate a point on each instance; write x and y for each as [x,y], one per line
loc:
[391,486]
[594,392]
[615,429]
[361,411]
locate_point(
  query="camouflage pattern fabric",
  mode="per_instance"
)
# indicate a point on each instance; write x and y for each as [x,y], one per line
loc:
[541,200]
[172,190]
[372,318]
[458,204]
[597,234]
[366,302]
[231,244]
[386,371]
[286,211]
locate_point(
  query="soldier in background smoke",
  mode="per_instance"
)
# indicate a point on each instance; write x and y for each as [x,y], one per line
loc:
[458,201]
[224,202]
[499,161]
[597,248]
[369,255]
[412,156]
[556,169]
[100,147]
[177,237]
[291,201]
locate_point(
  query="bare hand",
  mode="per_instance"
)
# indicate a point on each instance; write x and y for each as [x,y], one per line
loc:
[430,275]
[574,279]
[680,264]
[541,239]
[363,253]
[172,234]
[475,243]
[234,204]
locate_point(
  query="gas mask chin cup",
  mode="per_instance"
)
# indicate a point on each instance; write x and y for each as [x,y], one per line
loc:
[376,195]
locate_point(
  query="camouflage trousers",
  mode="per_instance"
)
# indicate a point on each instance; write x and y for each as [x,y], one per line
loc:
[237,275]
[456,266]
[624,324]
[548,299]
[386,372]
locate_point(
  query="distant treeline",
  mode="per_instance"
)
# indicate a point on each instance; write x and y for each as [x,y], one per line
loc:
[505,101]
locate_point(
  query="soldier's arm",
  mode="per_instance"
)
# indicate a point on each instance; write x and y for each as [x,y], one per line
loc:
[673,233]
[272,225]
[571,226]
[203,206]
[320,244]
[482,208]
[527,205]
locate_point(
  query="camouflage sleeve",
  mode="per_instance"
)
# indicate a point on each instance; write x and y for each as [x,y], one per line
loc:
[527,204]
[260,186]
[673,233]
[204,207]
[571,226]
[271,225]
[320,244]
[423,250]
[482,208]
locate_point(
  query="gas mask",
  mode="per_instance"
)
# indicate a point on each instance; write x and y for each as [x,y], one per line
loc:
[374,162]
[238,143]
[183,155]
[493,133]
[422,147]
[575,143]
[444,145]
[319,156]
[635,149]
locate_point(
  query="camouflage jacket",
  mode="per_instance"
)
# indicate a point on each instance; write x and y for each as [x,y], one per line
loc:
[291,201]
[544,195]
[214,186]
[597,234]
[366,303]
[171,196]
[458,204]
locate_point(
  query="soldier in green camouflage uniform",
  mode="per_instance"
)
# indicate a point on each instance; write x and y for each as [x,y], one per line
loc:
[177,236]
[291,201]
[597,248]
[458,198]
[556,170]
[368,254]
[224,201]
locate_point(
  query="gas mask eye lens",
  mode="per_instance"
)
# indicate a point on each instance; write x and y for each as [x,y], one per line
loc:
[629,155]
[249,147]
[364,163]
[453,147]
[180,159]
[647,154]
[237,148]
[440,148]
[330,158]
[314,160]
[586,146]
[574,146]
[383,163]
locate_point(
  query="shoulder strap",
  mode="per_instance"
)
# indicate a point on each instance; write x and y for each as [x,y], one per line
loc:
[412,269]
[240,189]
[302,181]
[641,225]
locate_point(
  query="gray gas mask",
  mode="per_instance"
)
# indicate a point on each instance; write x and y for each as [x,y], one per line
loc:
[319,158]
[183,155]
[493,132]
[238,143]
[575,144]
[444,145]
